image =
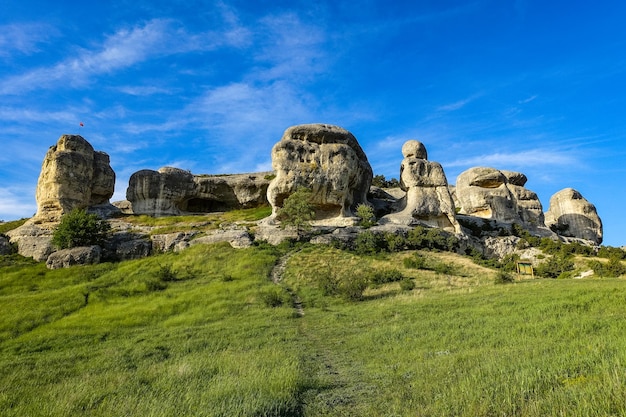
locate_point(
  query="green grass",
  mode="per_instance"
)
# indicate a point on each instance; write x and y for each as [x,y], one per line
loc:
[117,339]
[14,224]
[200,223]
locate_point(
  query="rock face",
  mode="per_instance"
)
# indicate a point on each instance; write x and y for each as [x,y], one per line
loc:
[428,200]
[73,175]
[498,195]
[326,159]
[571,215]
[75,256]
[173,191]
[5,245]
[32,241]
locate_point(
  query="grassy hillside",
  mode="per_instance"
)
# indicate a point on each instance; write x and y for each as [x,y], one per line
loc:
[205,332]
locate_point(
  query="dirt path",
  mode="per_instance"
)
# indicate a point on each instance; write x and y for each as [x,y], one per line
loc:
[277,278]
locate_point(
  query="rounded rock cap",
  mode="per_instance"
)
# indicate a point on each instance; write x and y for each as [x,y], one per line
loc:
[415,149]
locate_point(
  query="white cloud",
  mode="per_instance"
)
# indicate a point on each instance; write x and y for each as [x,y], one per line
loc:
[23,38]
[505,160]
[17,202]
[125,48]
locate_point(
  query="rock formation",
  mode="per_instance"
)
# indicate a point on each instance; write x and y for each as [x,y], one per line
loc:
[497,195]
[428,200]
[73,175]
[571,215]
[173,191]
[326,159]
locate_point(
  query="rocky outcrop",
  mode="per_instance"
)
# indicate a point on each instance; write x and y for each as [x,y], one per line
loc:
[65,258]
[326,159]
[497,195]
[173,191]
[73,175]
[32,241]
[428,200]
[571,215]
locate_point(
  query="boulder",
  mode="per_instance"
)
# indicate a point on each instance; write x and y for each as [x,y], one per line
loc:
[326,159]
[73,175]
[33,241]
[173,191]
[497,195]
[428,200]
[571,215]
[65,258]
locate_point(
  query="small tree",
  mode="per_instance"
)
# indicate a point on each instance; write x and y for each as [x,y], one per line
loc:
[366,214]
[79,228]
[297,210]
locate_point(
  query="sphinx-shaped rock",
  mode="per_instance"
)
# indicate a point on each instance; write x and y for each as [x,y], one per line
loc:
[326,159]
[498,195]
[571,215]
[173,191]
[73,175]
[428,200]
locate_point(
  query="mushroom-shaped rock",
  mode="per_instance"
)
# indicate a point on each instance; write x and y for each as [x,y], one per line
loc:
[73,175]
[428,200]
[326,159]
[483,192]
[571,215]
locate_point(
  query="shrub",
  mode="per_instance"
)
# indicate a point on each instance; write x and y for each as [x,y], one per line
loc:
[503,277]
[274,297]
[407,284]
[351,287]
[297,210]
[612,268]
[369,243]
[417,261]
[165,273]
[555,266]
[385,276]
[79,228]
[395,243]
[366,214]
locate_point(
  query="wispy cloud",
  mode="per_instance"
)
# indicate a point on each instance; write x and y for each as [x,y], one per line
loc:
[125,48]
[24,38]
[15,201]
[458,104]
[516,160]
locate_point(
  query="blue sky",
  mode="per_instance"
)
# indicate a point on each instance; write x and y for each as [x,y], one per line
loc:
[210,86]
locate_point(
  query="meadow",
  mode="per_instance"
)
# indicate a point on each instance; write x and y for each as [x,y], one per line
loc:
[205,332]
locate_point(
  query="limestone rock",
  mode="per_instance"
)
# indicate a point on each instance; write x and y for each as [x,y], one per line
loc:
[428,200]
[73,175]
[326,159]
[173,191]
[571,215]
[75,256]
[32,241]
[237,238]
[171,241]
[499,195]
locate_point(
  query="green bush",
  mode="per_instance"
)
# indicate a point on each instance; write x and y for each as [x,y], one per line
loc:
[352,287]
[385,276]
[79,228]
[417,261]
[274,296]
[555,266]
[612,268]
[297,210]
[407,284]
[369,243]
[366,214]
[503,277]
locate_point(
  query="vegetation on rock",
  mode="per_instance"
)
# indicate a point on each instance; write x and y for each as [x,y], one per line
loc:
[79,228]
